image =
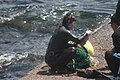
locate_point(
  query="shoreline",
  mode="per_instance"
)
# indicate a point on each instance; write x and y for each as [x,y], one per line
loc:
[101,41]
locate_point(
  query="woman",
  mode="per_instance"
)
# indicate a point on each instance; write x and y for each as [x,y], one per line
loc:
[62,43]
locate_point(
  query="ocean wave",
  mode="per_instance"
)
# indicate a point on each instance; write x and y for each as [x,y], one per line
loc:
[47,16]
[20,1]
[8,59]
[14,66]
[8,14]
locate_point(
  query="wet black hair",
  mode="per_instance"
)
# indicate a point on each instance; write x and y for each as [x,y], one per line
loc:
[67,17]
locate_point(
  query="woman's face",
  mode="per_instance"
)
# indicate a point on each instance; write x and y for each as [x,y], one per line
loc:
[71,24]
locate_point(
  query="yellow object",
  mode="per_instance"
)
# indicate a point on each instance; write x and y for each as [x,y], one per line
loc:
[89,48]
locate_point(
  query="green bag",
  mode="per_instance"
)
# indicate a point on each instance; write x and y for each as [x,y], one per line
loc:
[83,60]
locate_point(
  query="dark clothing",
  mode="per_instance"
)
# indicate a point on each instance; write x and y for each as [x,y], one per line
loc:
[116,40]
[60,60]
[118,10]
[59,40]
[113,62]
[59,51]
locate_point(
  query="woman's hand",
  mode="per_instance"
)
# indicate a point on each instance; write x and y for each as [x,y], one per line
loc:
[88,32]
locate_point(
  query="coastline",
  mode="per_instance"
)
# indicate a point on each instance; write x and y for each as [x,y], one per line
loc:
[101,41]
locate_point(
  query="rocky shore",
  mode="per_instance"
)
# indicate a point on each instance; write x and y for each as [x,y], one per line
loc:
[101,41]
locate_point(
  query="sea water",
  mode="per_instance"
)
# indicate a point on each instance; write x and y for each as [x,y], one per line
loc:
[27,25]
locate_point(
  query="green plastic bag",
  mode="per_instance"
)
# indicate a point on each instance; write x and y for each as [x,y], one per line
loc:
[83,60]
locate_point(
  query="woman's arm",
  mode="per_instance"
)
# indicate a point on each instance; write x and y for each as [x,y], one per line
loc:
[81,40]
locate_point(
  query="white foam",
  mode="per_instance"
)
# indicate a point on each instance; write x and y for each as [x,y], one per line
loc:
[7,59]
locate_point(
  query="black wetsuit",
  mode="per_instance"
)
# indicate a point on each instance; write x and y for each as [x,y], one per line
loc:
[113,62]
[58,52]
[116,40]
